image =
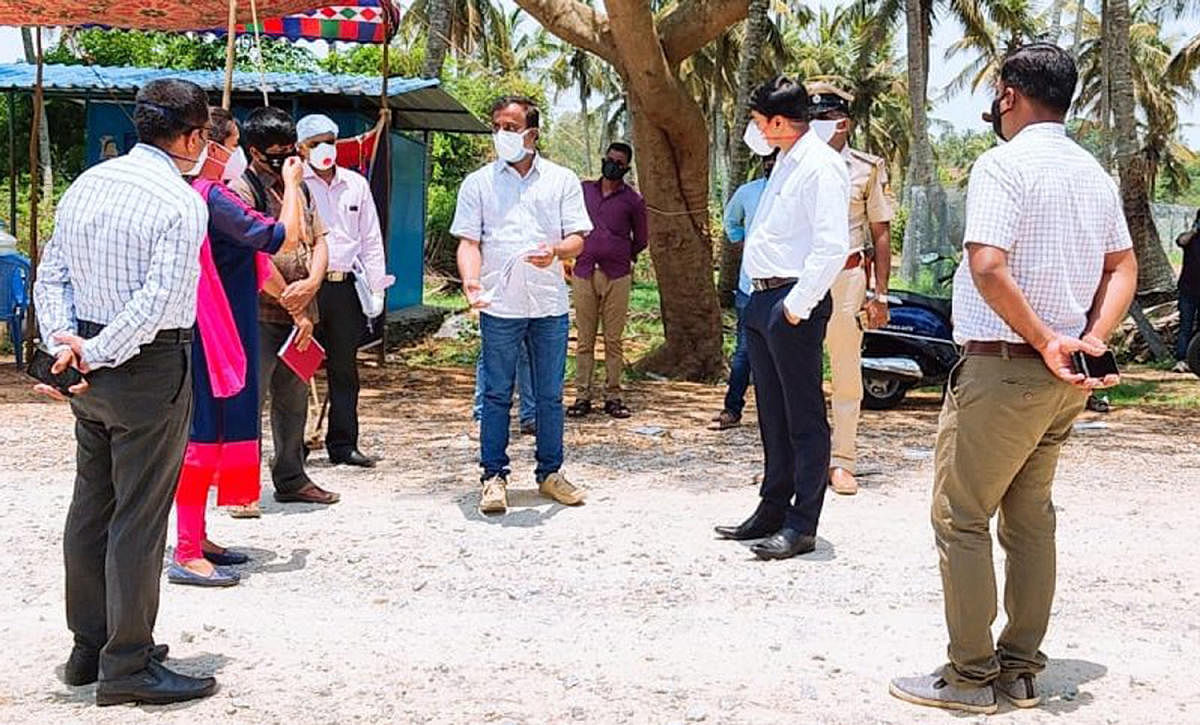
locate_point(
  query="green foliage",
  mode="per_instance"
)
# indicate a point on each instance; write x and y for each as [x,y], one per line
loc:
[956,151]
[899,222]
[406,56]
[181,51]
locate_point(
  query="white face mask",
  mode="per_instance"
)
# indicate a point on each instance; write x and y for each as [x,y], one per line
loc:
[754,138]
[322,156]
[510,145]
[195,170]
[825,130]
[235,166]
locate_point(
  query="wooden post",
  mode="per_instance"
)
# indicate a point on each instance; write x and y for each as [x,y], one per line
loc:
[12,164]
[385,110]
[34,189]
[230,38]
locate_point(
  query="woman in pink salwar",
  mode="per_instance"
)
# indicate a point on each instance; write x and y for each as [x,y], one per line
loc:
[223,447]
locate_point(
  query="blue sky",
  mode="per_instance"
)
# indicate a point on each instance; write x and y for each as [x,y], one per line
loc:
[961,111]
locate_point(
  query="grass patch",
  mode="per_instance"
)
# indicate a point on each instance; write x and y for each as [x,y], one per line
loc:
[1154,392]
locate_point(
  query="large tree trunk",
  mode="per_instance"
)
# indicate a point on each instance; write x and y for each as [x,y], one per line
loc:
[671,142]
[437,39]
[757,25]
[1155,275]
[44,165]
[920,171]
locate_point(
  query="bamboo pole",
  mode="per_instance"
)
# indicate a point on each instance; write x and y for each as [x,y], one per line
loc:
[34,189]
[230,38]
[385,111]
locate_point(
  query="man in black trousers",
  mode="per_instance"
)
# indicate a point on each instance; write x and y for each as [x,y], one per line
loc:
[116,300]
[796,246]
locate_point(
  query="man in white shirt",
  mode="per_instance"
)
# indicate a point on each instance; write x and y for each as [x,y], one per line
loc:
[346,206]
[517,217]
[797,245]
[116,299]
[1048,272]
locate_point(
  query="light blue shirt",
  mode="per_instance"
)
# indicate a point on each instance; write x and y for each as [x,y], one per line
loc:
[739,212]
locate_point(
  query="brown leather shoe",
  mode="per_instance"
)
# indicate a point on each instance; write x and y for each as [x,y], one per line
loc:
[843,482]
[725,421]
[311,493]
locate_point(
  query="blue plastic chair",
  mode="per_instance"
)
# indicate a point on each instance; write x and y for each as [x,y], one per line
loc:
[14,299]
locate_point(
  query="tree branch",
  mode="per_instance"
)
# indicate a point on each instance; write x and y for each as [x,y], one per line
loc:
[576,23]
[696,23]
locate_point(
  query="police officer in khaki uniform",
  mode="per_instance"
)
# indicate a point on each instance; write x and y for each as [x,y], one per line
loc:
[871,209]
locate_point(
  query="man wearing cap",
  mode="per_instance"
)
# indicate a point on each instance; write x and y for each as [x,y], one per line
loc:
[871,210]
[796,246]
[344,202]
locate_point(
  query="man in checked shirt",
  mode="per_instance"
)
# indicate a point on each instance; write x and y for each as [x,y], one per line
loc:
[116,299]
[1048,272]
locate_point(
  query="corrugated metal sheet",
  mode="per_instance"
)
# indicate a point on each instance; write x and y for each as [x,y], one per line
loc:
[419,103]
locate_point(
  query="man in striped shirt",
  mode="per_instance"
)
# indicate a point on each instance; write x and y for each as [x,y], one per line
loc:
[116,299]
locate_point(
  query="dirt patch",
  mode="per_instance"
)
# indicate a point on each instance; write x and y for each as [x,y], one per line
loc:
[402,604]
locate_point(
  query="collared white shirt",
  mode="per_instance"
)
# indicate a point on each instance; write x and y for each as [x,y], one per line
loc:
[124,254]
[509,216]
[347,208]
[801,228]
[1046,202]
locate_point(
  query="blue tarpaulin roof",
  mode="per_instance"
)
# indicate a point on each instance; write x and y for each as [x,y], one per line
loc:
[416,103]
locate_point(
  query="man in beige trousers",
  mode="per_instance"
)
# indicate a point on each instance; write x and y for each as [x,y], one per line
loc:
[871,210]
[603,278]
[1049,272]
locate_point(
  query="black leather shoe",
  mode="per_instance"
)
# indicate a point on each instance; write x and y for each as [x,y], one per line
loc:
[155,685]
[758,526]
[784,545]
[353,458]
[83,666]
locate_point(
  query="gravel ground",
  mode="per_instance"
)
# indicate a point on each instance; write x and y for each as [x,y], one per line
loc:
[402,604]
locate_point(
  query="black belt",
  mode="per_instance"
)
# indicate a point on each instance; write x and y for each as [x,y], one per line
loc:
[770,283]
[177,336]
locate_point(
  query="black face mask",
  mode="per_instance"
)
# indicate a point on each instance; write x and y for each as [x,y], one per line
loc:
[275,162]
[612,170]
[996,114]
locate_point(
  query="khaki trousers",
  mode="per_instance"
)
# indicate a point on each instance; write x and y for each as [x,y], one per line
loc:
[1001,429]
[599,299]
[844,341]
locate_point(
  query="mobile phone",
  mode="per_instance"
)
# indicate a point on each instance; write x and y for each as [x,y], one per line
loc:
[1098,366]
[39,369]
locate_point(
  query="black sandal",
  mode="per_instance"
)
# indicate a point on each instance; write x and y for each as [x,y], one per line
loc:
[617,409]
[579,409]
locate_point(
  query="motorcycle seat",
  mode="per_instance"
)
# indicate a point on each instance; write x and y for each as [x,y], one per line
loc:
[939,305]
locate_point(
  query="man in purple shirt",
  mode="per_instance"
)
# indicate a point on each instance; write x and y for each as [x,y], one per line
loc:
[603,278]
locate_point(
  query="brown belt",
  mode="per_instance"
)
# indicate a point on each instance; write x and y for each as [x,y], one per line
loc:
[999,348]
[855,260]
[770,283]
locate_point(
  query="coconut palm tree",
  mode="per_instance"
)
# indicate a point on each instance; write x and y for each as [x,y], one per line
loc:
[1155,276]
[1005,25]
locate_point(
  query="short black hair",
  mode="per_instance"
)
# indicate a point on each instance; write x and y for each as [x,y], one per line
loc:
[220,124]
[532,115]
[268,126]
[168,108]
[1042,72]
[781,96]
[624,148]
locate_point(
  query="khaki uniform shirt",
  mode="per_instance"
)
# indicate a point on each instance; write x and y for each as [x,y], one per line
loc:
[292,265]
[871,199]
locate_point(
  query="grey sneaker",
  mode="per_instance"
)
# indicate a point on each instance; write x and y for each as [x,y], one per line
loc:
[1021,690]
[933,691]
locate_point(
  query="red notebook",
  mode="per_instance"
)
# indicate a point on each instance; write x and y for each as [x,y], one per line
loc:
[304,364]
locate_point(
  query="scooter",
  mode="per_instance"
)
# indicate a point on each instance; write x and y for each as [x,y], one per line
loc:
[915,349]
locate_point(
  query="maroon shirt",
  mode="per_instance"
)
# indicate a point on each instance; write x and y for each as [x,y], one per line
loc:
[619,232]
